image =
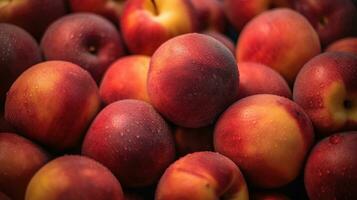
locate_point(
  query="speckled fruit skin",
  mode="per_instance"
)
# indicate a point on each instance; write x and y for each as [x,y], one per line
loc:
[73,178]
[202,175]
[132,140]
[331,19]
[33,16]
[192,79]
[239,12]
[107,8]
[53,103]
[267,136]
[331,170]
[255,78]
[146,24]
[85,39]
[210,15]
[18,51]
[281,39]
[189,140]
[348,45]
[326,89]
[20,159]
[126,78]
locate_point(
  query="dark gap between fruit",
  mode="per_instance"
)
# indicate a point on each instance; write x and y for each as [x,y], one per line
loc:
[347,104]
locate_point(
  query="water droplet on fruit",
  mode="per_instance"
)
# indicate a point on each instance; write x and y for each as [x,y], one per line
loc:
[138,136]
[335,139]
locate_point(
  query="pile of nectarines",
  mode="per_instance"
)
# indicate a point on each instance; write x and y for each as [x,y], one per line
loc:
[178,99]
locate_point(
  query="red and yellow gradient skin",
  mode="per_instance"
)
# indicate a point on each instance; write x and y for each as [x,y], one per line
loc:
[255,78]
[239,12]
[19,161]
[53,103]
[74,178]
[192,79]
[202,175]
[267,39]
[126,79]
[331,169]
[146,24]
[326,89]
[107,8]
[189,140]
[132,140]
[267,136]
[348,45]
[210,15]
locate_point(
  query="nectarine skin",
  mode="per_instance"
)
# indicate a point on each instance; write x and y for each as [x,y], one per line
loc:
[202,175]
[331,19]
[331,170]
[33,16]
[20,159]
[257,78]
[192,79]
[85,39]
[74,178]
[281,39]
[223,39]
[210,14]
[126,79]
[132,140]
[344,45]
[239,12]
[53,102]
[146,24]
[107,8]
[267,136]
[18,51]
[326,89]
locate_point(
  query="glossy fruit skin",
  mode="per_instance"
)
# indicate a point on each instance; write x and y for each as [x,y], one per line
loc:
[192,79]
[132,140]
[331,170]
